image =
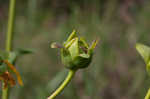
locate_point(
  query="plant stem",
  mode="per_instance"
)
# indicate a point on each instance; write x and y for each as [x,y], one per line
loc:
[10,24]
[148,95]
[63,85]
[9,37]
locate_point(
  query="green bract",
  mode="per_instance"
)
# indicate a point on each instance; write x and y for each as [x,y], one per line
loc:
[75,52]
[145,53]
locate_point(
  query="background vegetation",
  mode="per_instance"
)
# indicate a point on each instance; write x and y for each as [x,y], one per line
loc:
[117,71]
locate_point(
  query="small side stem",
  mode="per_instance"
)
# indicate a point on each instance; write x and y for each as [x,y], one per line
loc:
[147,95]
[63,85]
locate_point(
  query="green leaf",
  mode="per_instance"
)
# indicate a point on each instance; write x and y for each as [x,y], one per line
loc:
[148,68]
[3,68]
[144,52]
[12,57]
[4,54]
[23,51]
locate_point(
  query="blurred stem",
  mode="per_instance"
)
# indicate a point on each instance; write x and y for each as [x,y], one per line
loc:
[10,25]
[63,85]
[148,94]
[10,28]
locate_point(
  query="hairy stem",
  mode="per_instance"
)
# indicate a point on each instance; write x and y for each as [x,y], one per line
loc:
[147,95]
[9,37]
[63,85]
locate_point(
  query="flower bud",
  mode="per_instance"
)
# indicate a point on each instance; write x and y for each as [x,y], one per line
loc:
[75,52]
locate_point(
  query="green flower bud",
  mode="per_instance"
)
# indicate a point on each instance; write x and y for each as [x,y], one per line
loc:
[75,52]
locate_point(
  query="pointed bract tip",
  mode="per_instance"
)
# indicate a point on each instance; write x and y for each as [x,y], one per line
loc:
[72,35]
[94,44]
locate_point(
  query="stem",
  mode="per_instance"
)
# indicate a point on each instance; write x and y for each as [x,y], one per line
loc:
[148,95]
[9,37]
[63,85]
[10,24]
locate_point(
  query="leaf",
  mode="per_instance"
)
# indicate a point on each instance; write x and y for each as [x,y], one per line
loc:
[148,68]
[4,54]
[12,57]
[3,68]
[23,51]
[144,52]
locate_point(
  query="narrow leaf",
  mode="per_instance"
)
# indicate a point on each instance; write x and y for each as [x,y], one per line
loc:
[22,51]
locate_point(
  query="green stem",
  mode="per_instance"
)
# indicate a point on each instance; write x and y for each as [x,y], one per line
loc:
[10,24]
[10,28]
[148,95]
[63,85]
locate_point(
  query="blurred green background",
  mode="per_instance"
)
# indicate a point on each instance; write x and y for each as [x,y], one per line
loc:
[117,70]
